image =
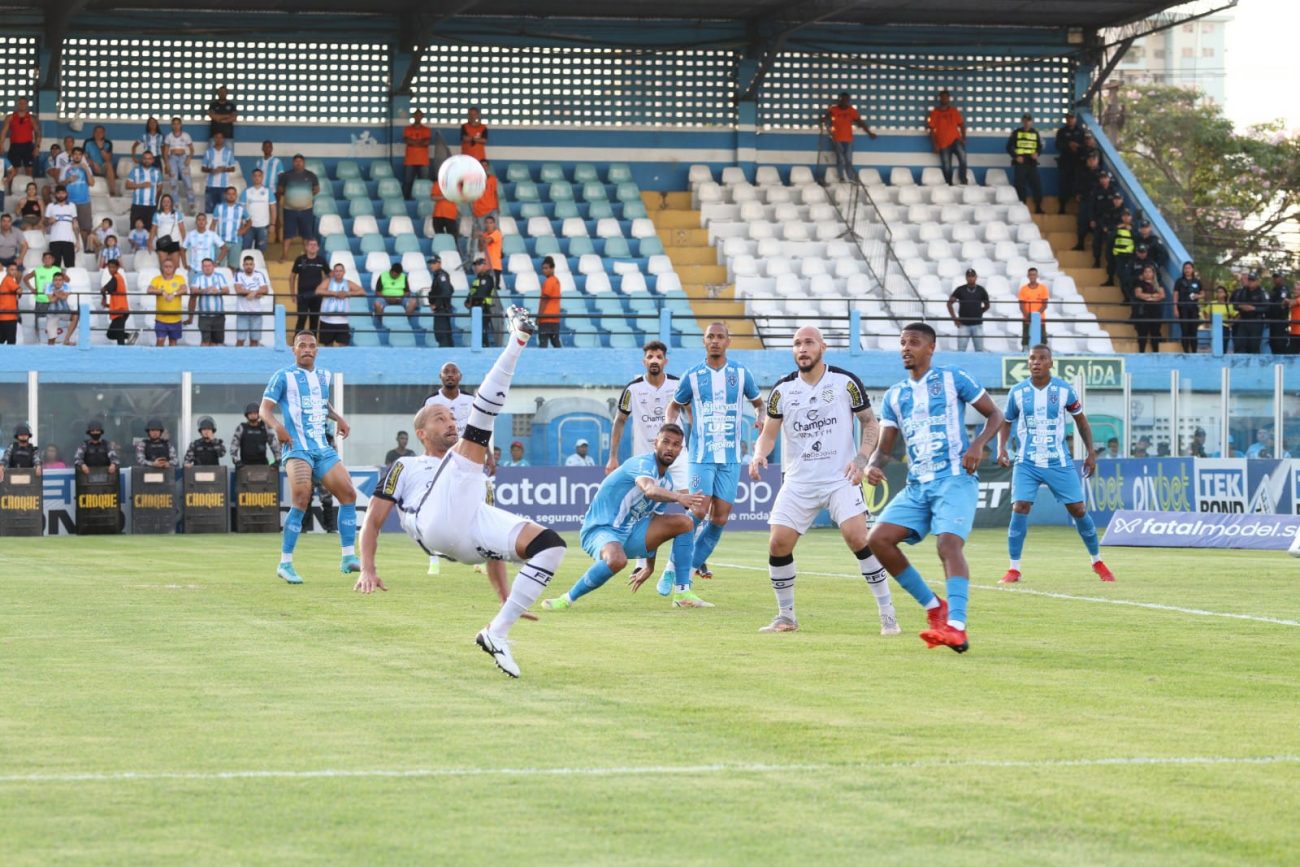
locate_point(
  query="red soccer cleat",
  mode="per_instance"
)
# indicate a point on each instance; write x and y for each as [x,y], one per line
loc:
[1103,573]
[1012,577]
[938,616]
[703,571]
[946,636]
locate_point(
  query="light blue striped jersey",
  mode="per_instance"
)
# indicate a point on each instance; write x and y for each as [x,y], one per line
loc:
[219,158]
[931,413]
[336,305]
[208,289]
[271,169]
[619,503]
[145,196]
[227,219]
[303,397]
[717,400]
[1038,417]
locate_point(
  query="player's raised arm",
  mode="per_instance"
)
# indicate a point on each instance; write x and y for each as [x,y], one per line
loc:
[993,419]
[880,457]
[653,491]
[376,514]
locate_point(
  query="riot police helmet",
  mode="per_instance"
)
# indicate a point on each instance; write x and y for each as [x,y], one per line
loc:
[23,430]
[208,423]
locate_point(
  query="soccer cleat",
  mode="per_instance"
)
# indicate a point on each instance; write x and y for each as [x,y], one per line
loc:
[889,622]
[666,581]
[946,636]
[521,323]
[499,649]
[559,603]
[938,616]
[781,623]
[286,571]
[1103,572]
[435,565]
[349,563]
[703,571]
[1012,577]
[688,599]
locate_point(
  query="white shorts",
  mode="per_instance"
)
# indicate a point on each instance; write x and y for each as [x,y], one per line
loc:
[678,478]
[797,509]
[456,524]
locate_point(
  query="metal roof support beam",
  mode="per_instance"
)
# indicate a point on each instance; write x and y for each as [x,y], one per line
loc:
[421,30]
[774,46]
[58,18]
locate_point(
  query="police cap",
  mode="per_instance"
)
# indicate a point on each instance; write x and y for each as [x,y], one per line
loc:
[1142,248]
[23,430]
[1252,276]
[251,409]
[154,424]
[208,423]
[94,425]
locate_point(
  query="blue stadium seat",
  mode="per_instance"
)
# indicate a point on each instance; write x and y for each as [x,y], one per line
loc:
[516,172]
[580,247]
[561,191]
[628,192]
[380,169]
[584,172]
[592,191]
[355,189]
[406,244]
[361,208]
[566,210]
[528,210]
[395,207]
[547,245]
[551,173]
[600,211]
[373,243]
[316,167]
[511,244]
[336,243]
[422,189]
[347,170]
[618,173]
[445,243]
[389,188]
[617,248]
[526,191]
[424,207]
[650,247]
[634,210]
[324,205]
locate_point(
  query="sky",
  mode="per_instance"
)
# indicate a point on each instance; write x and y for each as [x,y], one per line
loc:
[1263,62]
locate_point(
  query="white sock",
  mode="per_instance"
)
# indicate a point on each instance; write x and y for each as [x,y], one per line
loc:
[957,624]
[640,563]
[490,397]
[878,581]
[1015,564]
[1096,558]
[932,604]
[529,583]
[349,550]
[286,558]
[783,585]
[681,588]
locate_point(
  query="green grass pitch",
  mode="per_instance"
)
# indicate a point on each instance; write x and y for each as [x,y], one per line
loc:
[167,700]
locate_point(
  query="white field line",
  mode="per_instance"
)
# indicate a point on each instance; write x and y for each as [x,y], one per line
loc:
[1154,606]
[641,771]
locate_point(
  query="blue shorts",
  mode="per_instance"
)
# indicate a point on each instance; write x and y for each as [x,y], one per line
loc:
[593,539]
[299,224]
[167,330]
[1063,482]
[719,481]
[321,461]
[944,505]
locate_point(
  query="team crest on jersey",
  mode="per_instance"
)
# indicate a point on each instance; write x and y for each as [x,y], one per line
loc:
[731,379]
[936,387]
[1053,398]
[828,394]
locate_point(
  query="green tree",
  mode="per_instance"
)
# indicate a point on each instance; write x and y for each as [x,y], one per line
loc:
[1232,198]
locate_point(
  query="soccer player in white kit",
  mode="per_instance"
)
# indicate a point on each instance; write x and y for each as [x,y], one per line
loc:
[440,497]
[822,466]
[645,401]
[459,403]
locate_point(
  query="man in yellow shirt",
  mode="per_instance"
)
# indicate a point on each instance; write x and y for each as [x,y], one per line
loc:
[168,287]
[1033,299]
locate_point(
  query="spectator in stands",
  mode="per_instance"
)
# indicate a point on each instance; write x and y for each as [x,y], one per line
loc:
[143,182]
[305,277]
[1141,448]
[51,167]
[232,222]
[440,294]
[1293,317]
[446,215]
[155,450]
[1221,304]
[168,287]
[491,243]
[38,282]
[486,206]
[548,309]
[151,140]
[948,136]
[838,122]
[53,458]
[77,181]
[401,451]
[1070,152]
[1263,448]
[296,192]
[30,208]
[112,295]
[1148,309]
[516,458]
[218,164]
[1131,272]
[61,229]
[167,231]
[394,289]
[99,237]
[222,116]
[1196,445]
[250,287]
[99,157]
[415,160]
[10,290]
[335,305]
[1024,146]
[1120,251]
[966,306]
[138,238]
[60,320]
[1033,299]
[208,449]
[1251,303]
[202,243]
[474,135]
[271,167]
[1155,247]
[95,452]
[206,289]
[1187,306]
[580,458]
[1279,314]
[180,151]
[259,201]
[23,132]
[482,292]
[13,243]
[110,252]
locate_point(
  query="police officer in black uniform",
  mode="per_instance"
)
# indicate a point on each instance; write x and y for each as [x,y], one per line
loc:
[440,300]
[1069,159]
[96,452]
[252,438]
[1132,271]
[1279,314]
[482,293]
[1121,244]
[1024,145]
[207,450]
[153,450]
[1146,234]
[1108,205]
[22,454]
[1251,302]
[1097,183]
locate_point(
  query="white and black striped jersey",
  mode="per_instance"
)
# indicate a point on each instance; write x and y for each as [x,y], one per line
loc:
[817,430]
[646,405]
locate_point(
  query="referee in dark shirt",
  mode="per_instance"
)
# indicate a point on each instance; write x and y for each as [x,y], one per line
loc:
[971,302]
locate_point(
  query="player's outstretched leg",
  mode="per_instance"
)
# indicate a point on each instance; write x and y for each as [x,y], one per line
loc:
[300,487]
[1017,529]
[338,483]
[611,562]
[884,541]
[542,550]
[952,632]
[1087,530]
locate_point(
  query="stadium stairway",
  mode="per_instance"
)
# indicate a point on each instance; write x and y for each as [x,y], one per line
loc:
[695,260]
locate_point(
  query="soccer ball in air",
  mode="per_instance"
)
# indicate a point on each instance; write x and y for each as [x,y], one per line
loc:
[462,178]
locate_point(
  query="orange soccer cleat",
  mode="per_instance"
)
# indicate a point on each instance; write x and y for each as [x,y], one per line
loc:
[938,616]
[1012,577]
[946,636]
[1103,572]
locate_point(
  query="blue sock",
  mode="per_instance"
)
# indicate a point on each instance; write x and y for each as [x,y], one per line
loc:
[292,527]
[594,578]
[911,581]
[1088,533]
[683,549]
[958,594]
[1016,535]
[348,527]
[707,541]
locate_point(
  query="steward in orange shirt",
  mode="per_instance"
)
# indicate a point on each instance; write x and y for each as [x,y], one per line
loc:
[840,119]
